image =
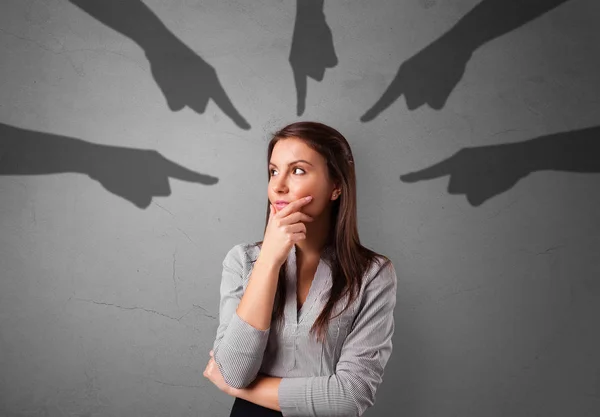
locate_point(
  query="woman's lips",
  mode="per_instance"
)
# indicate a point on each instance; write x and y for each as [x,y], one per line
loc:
[280,205]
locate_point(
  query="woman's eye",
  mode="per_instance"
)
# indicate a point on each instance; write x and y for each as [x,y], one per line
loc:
[271,170]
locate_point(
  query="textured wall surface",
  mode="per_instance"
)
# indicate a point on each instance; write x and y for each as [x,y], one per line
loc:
[133,157]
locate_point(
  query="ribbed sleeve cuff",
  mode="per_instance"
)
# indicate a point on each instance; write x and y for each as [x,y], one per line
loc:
[294,395]
[244,338]
[239,355]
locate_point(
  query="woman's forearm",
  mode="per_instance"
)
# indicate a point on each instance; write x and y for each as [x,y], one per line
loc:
[256,305]
[263,391]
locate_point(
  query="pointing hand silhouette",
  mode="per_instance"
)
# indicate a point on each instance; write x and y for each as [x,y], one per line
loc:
[478,173]
[312,48]
[430,76]
[139,174]
[483,172]
[426,78]
[134,174]
[185,79]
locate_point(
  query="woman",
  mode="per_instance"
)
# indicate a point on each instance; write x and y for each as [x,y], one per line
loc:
[306,315]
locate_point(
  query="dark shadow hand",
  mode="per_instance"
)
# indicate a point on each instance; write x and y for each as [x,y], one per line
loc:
[139,174]
[184,78]
[312,49]
[427,78]
[479,173]
[483,172]
[430,76]
[136,175]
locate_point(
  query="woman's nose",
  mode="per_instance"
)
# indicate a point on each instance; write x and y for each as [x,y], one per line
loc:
[278,184]
[279,190]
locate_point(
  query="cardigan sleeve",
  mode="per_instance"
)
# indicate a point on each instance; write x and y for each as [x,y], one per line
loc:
[359,371]
[239,347]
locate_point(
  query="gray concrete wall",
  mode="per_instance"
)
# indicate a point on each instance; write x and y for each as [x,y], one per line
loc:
[132,158]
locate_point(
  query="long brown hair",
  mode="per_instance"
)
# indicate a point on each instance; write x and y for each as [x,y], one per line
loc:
[349,260]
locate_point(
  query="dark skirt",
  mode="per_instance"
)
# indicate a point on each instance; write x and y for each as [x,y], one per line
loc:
[243,408]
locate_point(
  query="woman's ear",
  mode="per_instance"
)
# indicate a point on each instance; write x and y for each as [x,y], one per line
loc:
[337,190]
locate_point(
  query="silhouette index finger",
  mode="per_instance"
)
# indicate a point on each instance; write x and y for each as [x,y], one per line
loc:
[438,170]
[390,95]
[173,170]
[223,101]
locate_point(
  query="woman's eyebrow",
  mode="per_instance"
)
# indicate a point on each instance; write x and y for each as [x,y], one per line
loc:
[293,162]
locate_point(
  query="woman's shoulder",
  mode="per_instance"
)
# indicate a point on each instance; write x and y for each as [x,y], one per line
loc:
[381,267]
[245,246]
[241,254]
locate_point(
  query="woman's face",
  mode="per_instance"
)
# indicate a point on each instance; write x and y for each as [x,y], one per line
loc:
[291,179]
